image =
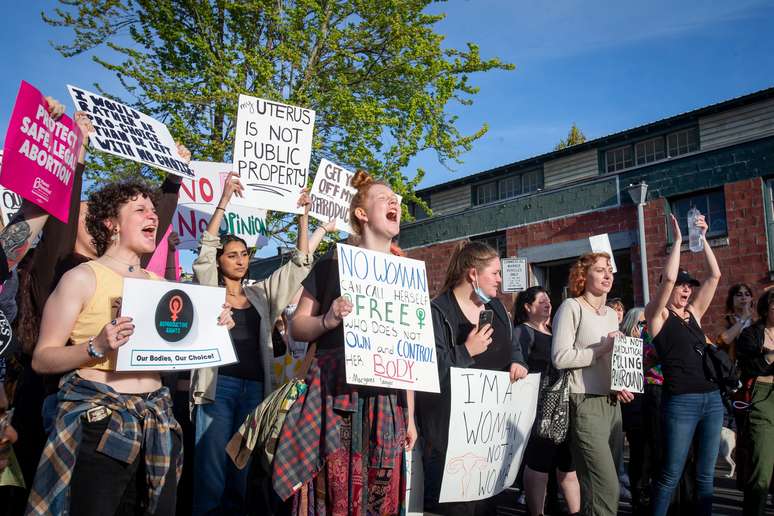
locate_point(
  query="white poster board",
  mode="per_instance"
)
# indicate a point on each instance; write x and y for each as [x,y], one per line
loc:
[626,371]
[415,482]
[175,327]
[331,195]
[271,152]
[514,273]
[127,133]
[199,196]
[490,423]
[388,336]
[10,202]
[601,244]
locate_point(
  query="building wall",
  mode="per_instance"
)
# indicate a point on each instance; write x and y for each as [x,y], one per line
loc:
[579,165]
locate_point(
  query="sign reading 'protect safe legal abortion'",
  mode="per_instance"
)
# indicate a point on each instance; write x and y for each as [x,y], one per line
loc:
[388,335]
[175,327]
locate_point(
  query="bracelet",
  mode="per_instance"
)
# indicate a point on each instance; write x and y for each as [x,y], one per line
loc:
[92,351]
[323,323]
[219,208]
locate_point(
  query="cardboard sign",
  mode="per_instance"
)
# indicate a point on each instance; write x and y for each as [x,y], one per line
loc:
[601,244]
[40,153]
[514,271]
[271,153]
[10,202]
[388,336]
[125,132]
[626,372]
[196,204]
[175,327]
[490,423]
[331,195]
[415,482]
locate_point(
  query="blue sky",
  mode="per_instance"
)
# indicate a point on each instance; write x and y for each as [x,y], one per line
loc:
[605,65]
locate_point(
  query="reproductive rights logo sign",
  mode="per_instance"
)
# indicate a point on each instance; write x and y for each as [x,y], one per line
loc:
[174,316]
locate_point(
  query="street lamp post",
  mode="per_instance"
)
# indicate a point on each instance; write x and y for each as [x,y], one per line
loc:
[639,193]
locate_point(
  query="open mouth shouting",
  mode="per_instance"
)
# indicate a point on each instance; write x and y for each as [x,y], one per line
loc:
[149,232]
[393,214]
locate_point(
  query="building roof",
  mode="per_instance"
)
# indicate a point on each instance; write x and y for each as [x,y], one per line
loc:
[621,136]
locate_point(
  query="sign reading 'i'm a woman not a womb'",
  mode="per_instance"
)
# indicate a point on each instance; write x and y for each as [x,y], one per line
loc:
[388,336]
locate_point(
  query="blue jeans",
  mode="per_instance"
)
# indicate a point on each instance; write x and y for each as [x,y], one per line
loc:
[684,415]
[219,487]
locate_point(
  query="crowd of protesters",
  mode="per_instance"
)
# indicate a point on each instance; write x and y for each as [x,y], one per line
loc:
[89,440]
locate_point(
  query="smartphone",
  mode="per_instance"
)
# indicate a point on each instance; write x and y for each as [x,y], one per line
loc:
[485,317]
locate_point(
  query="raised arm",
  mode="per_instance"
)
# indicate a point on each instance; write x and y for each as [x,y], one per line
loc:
[170,268]
[703,297]
[231,186]
[655,310]
[319,234]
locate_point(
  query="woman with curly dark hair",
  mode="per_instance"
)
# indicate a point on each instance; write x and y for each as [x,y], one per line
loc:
[116,446]
[584,330]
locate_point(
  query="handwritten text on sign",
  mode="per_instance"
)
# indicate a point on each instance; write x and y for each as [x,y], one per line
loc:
[627,370]
[489,427]
[388,335]
[331,195]
[198,199]
[10,202]
[271,153]
[127,133]
[40,153]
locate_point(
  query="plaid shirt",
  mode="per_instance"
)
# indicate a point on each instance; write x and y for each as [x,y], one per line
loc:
[136,422]
[311,429]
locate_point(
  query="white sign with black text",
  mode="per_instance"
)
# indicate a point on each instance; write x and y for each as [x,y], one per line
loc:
[514,273]
[627,372]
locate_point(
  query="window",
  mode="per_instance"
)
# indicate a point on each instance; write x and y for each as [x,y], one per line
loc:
[532,181]
[486,193]
[649,150]
[682,142]
[711,204]
[510,187]
[495,240]
[619,159]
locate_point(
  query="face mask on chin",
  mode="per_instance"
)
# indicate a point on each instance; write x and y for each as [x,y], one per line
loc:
[481,294]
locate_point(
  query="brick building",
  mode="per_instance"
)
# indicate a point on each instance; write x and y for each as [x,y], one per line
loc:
[719,158]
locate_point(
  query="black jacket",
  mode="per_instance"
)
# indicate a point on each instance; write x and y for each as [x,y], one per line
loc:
[749,352]
[433,410]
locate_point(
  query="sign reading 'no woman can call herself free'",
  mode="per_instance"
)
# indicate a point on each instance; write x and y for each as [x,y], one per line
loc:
[388,336]
[175,327]
[271,153]
[489,426]
[127,133]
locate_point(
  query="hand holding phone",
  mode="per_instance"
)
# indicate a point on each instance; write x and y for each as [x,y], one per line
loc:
[485,317]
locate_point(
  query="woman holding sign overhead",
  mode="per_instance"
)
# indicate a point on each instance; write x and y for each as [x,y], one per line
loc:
[340,451]
[691,406]
[584,331]
[223,397]
[472,328]
[115,447]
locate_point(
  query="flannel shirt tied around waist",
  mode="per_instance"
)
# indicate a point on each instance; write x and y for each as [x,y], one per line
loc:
[312,427]
[136,422]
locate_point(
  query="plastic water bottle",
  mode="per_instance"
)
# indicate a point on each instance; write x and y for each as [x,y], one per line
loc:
[695,241]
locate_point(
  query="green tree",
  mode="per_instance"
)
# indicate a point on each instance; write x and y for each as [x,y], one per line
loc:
[375,71]
[574,137]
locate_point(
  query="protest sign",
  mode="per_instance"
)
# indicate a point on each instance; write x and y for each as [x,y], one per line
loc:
[158,261]
[388,336]
[271,153]
[199,196]
[40,153]
[331,195]
[10,202]
[514,272]
[489,427]
[626,372]
[175,327]
[415,482]
[601,244]
[127,133]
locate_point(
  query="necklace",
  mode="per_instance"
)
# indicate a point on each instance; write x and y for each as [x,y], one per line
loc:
[130,266]
[598,310]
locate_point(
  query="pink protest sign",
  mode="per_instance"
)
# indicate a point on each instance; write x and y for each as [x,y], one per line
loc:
[158,262]
[40,154]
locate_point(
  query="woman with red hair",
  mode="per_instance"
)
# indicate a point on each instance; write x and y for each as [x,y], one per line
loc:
[584,330]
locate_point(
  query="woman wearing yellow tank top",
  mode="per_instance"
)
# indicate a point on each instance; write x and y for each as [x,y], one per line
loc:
[116,447]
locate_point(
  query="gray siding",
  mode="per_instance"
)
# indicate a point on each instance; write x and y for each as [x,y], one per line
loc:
[737,125]
[450,201]
[576,166]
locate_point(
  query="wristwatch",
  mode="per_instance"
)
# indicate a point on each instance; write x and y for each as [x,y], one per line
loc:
[92,351]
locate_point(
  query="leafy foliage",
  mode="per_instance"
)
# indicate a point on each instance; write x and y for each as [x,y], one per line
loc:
[574,137]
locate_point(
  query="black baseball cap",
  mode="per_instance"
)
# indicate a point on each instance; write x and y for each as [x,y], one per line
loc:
[684,277]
